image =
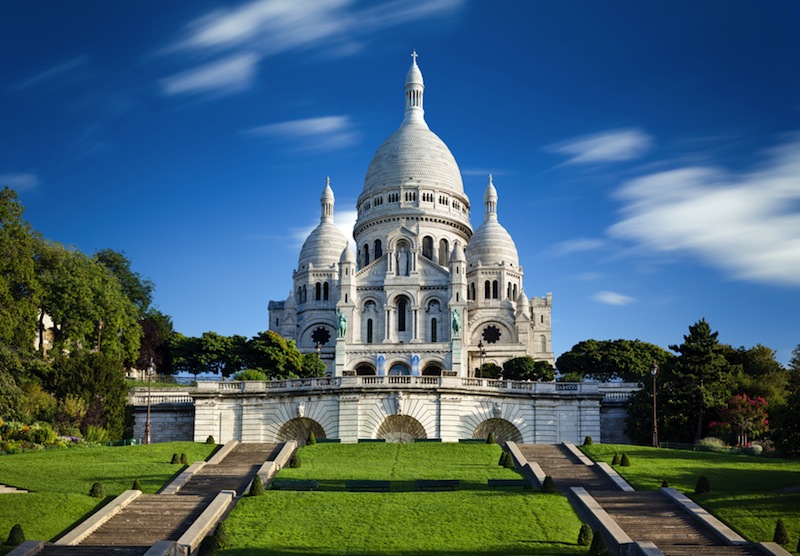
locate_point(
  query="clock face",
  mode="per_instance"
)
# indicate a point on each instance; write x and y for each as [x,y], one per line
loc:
[491,334]
[321,335]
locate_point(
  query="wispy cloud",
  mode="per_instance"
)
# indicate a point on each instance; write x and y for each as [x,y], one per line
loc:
[311,134]
[747,224]
[263,28]
[608,146]
[612,298]
[229,75]
[20,182]
[577,245]
[51,74]
[343,219]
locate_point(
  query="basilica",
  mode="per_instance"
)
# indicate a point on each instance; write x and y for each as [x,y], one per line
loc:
[424,293]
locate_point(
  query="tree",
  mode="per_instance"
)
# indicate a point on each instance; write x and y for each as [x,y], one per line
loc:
[794,370]
[527,368]
[19,290]
[701,376]
[185,352]
[490,370]
[786,429]
[760,374]
[604,360]
[747,416]
[157,329]
[313,366]
[135,287]
[273,354]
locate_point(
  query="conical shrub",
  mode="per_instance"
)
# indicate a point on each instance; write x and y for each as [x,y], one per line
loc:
[175,459]
[136,485]
[184,460]
[97,491]
[585,535]
[598,547]
[616,459]
[624,461]
[16,537]
[548,485]
[311,438]
[509,464]
[664,484]
[490,439]
[502,461]
[588,441]
[208,547]
[221,536]
[703,486]
[210,439]
[295,462]
[257,488]
[781,535]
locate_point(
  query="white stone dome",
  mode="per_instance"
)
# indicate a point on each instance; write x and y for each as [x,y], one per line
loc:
[491,244]
[324,245]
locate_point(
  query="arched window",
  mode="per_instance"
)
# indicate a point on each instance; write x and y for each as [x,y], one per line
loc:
[427,247]
[515,292]
[305,294]
[366,254]
[542,344]
[487,290]
[494,290]
[325,291]
[318,291]
[369,331]
[434,331]
[378,249]
[402,304]
[299,297]
[444,252]
[472,290]
[508,291]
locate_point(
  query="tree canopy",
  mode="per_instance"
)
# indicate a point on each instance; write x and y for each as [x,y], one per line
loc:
[605,360]
[527,368]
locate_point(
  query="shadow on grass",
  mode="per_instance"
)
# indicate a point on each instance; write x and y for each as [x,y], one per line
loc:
[532,548]
[339,485]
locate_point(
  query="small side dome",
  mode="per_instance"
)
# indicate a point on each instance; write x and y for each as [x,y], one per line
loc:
[457,256]
[523,306]
[325,243]
[491,244]
[348,257]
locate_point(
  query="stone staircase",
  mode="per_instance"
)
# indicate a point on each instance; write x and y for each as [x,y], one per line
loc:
[644,516]
[155,517]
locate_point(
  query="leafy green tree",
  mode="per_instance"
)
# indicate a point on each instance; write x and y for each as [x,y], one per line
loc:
[157,329]
[794,370]
[604,360]
[313,366]
[701,376]
[222,354]
[490,370]
[272,353]
[748,417]
[19,290]
[135,287]
[786,427]
[527,368]
[185,353]
[250,374]
[760,374]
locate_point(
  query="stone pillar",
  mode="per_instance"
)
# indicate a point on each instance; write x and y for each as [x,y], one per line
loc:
[340,356]
[348,418]
[449,418]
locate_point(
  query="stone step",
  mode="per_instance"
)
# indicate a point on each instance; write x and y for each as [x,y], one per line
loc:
[56,550]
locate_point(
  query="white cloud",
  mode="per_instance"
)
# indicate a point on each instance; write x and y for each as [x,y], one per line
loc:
[612,298]
[263,28]
[225,76]
[51,73]
[343,219]
[310,134]
[20,182]
[747,224]
[577,245]
[608,146]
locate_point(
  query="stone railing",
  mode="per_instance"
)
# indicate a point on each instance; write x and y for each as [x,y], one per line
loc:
[160,398]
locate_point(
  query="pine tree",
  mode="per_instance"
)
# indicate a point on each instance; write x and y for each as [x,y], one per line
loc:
[16,536]
[257,488]
[625,461]
[781,534]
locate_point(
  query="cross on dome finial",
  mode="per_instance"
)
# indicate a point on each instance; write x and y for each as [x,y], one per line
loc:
[414,56]
[328,181]
[490,179]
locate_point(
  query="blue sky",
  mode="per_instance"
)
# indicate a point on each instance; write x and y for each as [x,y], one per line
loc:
[646,154]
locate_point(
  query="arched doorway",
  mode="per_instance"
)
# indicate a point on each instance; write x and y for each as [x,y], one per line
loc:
[298,429]
[432,369]
[502,430]
[399,369]
[365,369]
[401,428]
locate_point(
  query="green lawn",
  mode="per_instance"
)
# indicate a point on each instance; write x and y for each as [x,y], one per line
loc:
[470,521]
[59,481]
[745,489]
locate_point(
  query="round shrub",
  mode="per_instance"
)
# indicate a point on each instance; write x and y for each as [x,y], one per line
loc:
[625,461]
[221,536]
[295,462]
[490,439]
[616,459]
[136,485]
[703,486]
[753,449]
[257,488]
[210,439]
[548,485]
[311,438]
[16,537]
[712,444]
[598,547]
[585,535]
[175,459]
[184,460]
[781,536]
[588,441]
[97,491]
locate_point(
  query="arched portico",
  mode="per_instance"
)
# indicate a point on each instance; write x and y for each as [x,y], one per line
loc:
[401,428]
[298,429]
[501,429]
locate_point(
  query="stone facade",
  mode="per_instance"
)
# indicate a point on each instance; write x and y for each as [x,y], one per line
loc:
[423,293]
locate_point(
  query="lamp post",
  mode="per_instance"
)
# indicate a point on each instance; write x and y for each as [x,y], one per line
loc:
[150,370]
[319,349]
[654,374]
[483,356]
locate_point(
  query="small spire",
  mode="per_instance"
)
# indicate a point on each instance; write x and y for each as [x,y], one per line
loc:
[414,57]
[327,201]
[328,180]
[490,200]
[414,88]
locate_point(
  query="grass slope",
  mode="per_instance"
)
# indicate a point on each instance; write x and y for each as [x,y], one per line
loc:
[470,521]
[59,481]
[745,489]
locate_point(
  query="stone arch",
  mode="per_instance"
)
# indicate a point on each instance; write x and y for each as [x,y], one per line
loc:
[365,369]
[502,430]
[401,428]
[298,429]
[508,332]
[399,368]
[307,336]
[432,369]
